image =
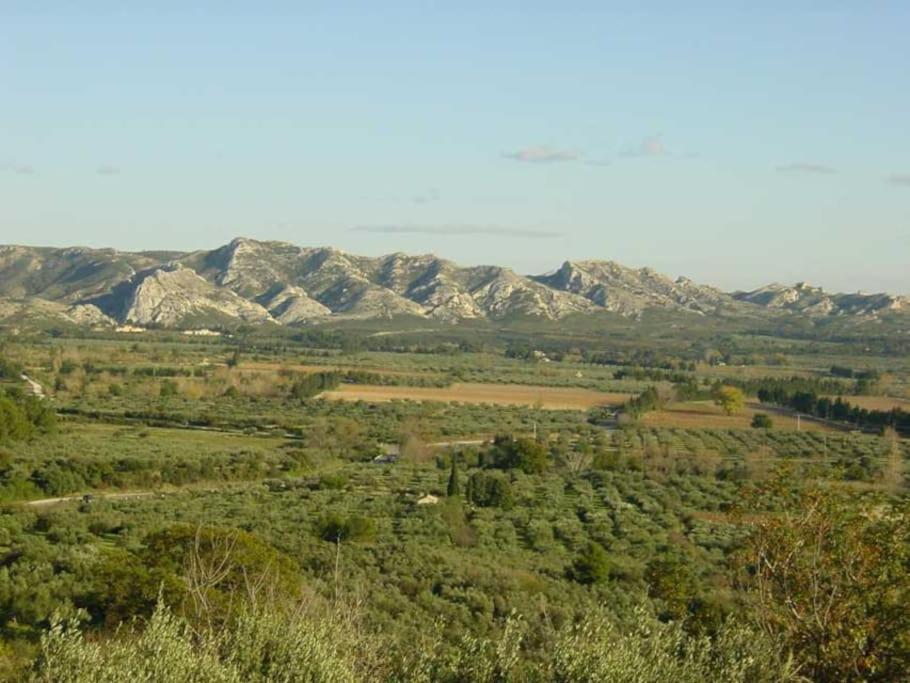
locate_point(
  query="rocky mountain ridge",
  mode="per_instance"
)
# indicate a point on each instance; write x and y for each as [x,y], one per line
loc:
[250,281]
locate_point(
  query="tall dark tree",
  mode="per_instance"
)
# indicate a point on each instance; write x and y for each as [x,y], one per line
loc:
[454,486]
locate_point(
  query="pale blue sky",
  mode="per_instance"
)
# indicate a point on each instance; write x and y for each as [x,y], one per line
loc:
[731,144]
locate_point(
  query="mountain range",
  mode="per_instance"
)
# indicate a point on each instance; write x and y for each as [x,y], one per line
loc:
[251,281]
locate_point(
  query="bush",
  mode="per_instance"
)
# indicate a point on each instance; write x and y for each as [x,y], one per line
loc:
[313,384]
[525,454]
[21,416]
[167,388]
[648,651]
[593,566]
[762,421]
[336,527]
[311,645]
[262,645]
[489,489]
[199,571]
[10,369]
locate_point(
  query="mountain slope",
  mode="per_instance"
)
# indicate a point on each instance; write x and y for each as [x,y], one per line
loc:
[250,281]
[67,274]
[804,298]
[172,295]
[630,291]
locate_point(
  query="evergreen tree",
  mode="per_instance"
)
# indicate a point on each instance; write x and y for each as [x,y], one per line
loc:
[454,487]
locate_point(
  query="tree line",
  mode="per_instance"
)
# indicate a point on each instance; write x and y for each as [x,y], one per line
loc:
[837,410]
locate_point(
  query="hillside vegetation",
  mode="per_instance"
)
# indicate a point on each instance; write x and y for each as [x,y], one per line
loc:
[202,508]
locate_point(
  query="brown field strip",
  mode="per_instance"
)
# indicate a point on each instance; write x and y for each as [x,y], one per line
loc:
[877,402]
[703,415]
[257,366]
[554,398]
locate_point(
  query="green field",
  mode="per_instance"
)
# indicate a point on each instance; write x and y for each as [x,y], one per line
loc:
[169,458]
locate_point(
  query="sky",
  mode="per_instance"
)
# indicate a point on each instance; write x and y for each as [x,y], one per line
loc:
[735,143]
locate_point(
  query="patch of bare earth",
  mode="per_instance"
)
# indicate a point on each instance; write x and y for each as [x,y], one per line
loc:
[553,398]
[705,415]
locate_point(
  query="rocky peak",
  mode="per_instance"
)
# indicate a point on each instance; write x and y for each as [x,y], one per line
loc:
[251,280]
[289,304]
[173,294]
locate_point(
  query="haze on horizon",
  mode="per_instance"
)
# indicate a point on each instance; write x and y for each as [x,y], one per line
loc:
[733,146]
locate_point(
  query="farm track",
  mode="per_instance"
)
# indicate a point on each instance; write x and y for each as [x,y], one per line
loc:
[34,387]
[45,502]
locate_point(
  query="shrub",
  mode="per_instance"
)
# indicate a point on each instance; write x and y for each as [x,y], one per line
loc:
[527,455]
[648,651]
[261,646]
[762,421]
[336,527]
[593,566]
[489,489]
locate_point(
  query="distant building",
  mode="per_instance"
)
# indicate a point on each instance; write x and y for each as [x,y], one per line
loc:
[202,333]
[428,499]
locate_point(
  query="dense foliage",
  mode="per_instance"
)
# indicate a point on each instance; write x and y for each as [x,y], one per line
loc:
[21,417]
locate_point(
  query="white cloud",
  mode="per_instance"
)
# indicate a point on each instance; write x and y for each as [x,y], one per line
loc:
[651,146]
[804,167]
[542,155]
[478,230]
[18,169]
[427,197]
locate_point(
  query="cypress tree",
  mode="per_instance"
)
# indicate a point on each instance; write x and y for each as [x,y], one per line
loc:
[454,487]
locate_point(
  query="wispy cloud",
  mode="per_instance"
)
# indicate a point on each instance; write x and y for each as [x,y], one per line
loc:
[651,146]
[449,230]
[902,179]
[107,169]
[803,167]
[18,169]
[427,197]
[542,155]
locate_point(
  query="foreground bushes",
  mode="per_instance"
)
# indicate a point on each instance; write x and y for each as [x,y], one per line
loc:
[312,645]
[259,647]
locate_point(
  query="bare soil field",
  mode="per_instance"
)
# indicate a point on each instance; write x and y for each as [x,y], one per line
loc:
[705,415]
[554,398]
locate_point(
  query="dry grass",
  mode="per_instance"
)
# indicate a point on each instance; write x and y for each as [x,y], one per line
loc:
[260,366]
[877,402]
[716,517]
[554,398]
[754,371]
[706,415]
